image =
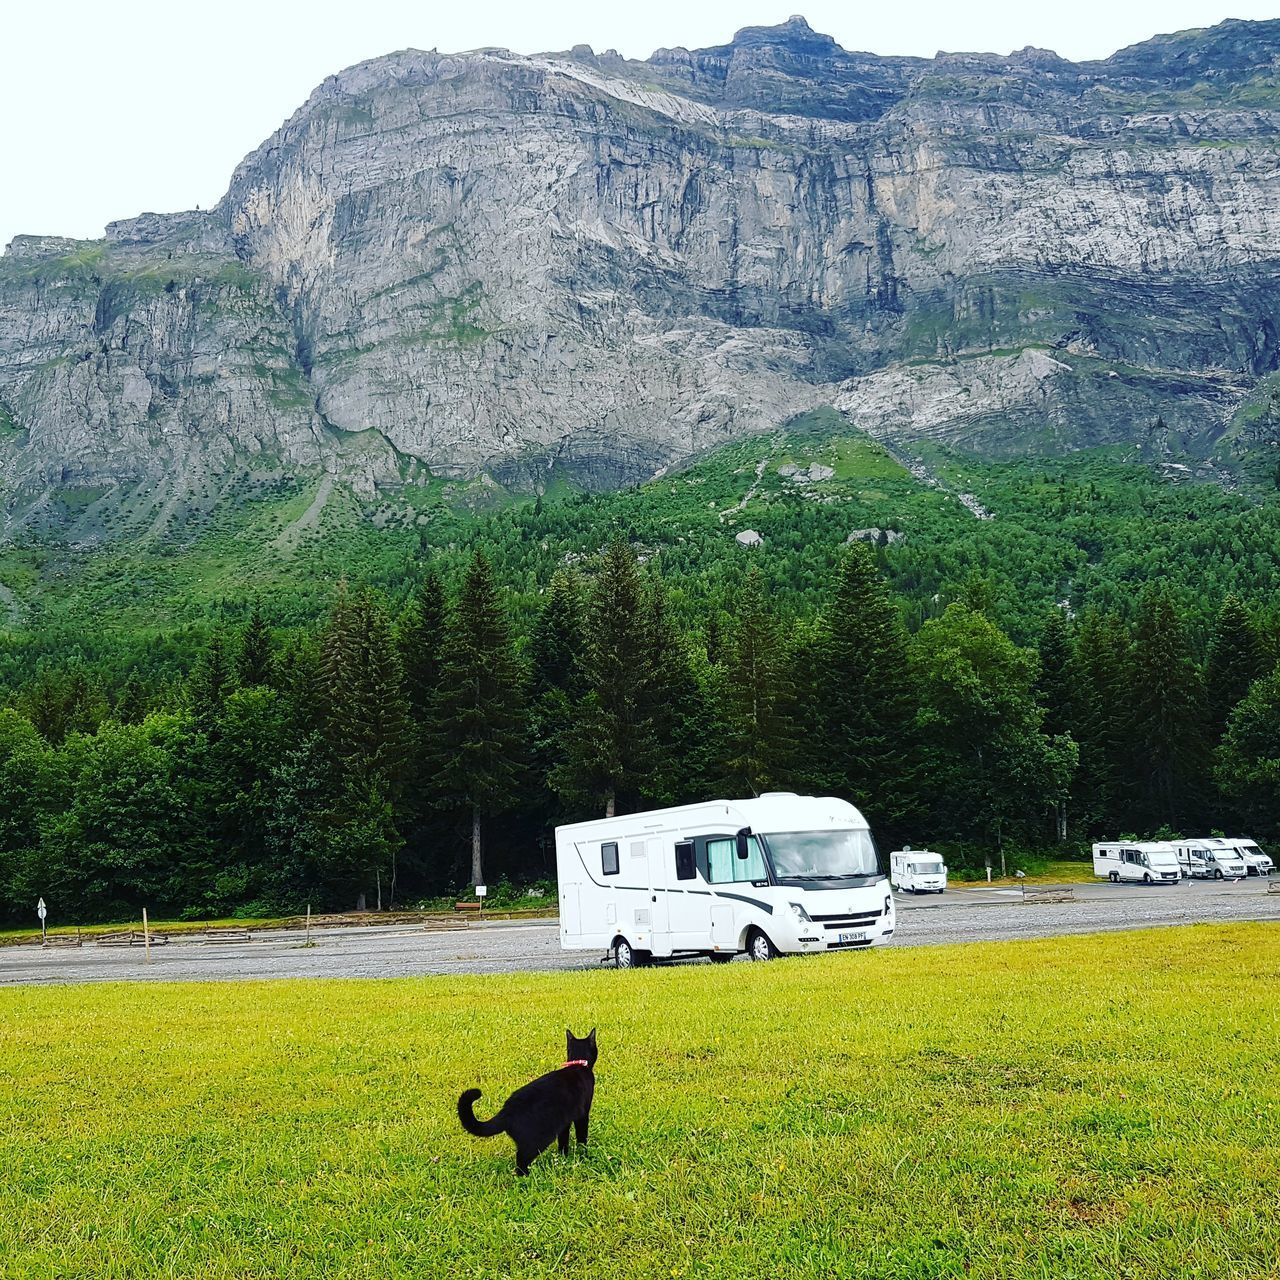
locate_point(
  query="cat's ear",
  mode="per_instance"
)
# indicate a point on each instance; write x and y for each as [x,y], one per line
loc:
[591,1035]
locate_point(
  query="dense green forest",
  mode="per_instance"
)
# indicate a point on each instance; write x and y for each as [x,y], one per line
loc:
[233,720]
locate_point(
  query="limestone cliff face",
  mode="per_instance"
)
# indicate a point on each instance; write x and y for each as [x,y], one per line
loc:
[580,264]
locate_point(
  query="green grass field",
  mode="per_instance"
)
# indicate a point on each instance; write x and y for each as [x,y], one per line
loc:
[1087,1107]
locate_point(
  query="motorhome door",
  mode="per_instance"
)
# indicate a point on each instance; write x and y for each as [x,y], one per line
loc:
[648,854]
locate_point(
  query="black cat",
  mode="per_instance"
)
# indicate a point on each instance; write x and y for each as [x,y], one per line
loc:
[541,1111]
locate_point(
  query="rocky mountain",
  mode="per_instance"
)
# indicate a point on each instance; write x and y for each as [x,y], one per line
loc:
[579,266]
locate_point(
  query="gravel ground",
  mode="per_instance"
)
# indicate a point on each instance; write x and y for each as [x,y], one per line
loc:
[961,915]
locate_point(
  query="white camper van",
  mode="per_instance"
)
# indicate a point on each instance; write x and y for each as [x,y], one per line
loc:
[1151,862]
[1256,863]
[1210,859]
[777,873]
[917,871]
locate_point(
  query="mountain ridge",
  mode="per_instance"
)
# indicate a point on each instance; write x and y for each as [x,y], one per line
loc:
[583,266]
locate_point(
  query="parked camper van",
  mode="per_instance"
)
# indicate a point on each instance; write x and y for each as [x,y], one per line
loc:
[1256,863]
[1210,860]
[917,871]
[777,873]
[1148,863]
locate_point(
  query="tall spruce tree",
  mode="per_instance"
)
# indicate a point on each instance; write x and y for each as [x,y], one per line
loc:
[1235,661]
[555,685]
[366,722]
[212,682]
[255,660]
[863,697]
[555,643]
[366,729]
[1054,691]
[479,708]
[615,745]
[420,638]
[680,709]
[1102,680]
[758,744]
[1169,737]
[132,701]
[1053,683]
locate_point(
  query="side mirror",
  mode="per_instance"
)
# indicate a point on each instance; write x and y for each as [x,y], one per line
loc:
[744,851]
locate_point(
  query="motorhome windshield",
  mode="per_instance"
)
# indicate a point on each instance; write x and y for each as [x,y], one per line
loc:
[822,855]
[927,868]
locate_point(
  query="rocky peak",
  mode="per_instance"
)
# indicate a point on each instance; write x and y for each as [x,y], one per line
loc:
[584,267]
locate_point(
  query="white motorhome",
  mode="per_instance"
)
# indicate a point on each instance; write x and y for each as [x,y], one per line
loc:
[1149,862]
[1210,859]
[777,873]
[917,871]
[1256,863]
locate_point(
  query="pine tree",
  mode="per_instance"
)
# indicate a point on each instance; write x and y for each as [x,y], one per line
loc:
[420,639]
[212,681]
[255,661]
[1235,661]
[555,643]
[132,700]
[1101,722]
[1168,729]
[479,708]
[555,686]
[758,743]
[863,695]
[366,721]
[615,744]
[1053,684]
[366,729]
[679,710]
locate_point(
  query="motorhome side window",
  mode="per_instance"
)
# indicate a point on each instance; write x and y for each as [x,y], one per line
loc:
[609,858]
[686,867]
[724,866]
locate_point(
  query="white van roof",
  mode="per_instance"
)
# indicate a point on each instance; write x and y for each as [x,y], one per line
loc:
[773,811]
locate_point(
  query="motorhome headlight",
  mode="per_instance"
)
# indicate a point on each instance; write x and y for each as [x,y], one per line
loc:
[801,914]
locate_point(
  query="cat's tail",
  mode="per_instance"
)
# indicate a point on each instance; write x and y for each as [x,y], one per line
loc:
[481,1128]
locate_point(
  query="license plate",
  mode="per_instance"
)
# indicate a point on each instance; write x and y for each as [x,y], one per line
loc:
[859,936]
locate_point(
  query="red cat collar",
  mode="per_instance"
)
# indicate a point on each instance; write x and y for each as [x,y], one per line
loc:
[577,1062]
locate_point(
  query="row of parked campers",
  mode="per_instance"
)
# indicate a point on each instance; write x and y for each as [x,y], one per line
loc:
[1156,860]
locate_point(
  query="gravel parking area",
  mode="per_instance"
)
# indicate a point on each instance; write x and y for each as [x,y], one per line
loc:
[961,915]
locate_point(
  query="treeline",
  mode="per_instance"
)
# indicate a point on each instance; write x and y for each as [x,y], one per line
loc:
[384,759]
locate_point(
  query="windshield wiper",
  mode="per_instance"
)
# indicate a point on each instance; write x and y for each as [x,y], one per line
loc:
[827,875]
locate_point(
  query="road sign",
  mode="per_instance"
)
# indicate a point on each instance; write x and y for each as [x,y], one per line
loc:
[481,890]
[41,909]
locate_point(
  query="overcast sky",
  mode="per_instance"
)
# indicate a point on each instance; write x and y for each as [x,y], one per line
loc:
[110,109]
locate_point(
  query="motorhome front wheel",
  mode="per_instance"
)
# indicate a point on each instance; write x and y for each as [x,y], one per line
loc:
[760,948]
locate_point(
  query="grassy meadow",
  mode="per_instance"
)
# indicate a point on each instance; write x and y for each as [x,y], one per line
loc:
[1101,1106]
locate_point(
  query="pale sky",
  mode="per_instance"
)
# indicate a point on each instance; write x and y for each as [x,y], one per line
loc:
[111,109]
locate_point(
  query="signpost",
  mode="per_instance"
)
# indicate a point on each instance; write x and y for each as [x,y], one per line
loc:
[482,891]
[42,911]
